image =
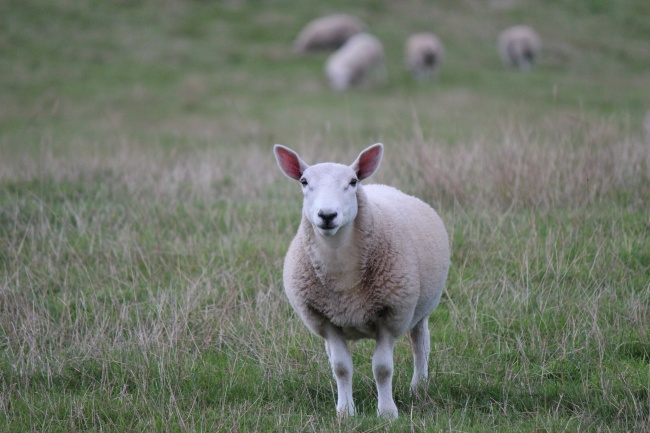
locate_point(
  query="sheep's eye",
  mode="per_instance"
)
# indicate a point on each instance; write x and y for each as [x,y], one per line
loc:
[303,181]
[353,182]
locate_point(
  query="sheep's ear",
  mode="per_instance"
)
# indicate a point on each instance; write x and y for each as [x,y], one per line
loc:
[368,161]
[289,162]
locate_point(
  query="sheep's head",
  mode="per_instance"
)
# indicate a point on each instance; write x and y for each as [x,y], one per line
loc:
[330,189]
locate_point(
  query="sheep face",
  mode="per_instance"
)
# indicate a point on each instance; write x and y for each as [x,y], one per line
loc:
[330,196]
[330,189]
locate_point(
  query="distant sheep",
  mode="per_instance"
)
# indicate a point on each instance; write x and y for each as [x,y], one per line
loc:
[519,47]
[327,33]
[358,63]
[367,262]
[424,55]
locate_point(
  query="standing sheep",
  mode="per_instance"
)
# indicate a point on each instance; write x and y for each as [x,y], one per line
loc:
[327,33]
[424,55]
[358,63]
[519,47]
[367,262]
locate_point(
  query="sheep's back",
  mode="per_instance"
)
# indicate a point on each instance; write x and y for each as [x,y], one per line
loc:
[327,33]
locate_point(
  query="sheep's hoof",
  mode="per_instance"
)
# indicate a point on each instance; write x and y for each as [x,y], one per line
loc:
[418,385]
[389,412]
[345,411]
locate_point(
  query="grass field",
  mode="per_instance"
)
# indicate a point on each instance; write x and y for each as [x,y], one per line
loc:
[143,220]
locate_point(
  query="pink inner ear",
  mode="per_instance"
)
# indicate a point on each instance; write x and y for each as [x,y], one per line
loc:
[289,163]
[369,161]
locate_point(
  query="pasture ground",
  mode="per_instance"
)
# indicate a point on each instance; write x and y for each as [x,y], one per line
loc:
[143,220]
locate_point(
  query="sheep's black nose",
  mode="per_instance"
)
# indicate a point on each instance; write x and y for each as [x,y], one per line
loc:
[326,216]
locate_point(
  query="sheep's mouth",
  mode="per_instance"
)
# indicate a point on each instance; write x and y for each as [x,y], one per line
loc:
[328,229]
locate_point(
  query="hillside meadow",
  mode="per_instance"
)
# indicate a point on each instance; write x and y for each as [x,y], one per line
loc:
[143,219]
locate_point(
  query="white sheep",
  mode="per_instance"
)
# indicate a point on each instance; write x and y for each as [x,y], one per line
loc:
[519,47]
[327,33]
[424,55]
[367,262]
[358,63]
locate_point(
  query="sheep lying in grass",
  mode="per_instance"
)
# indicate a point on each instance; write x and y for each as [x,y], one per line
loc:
[424,55]
[367,262]
[327,33]
[519,47]
[358,63]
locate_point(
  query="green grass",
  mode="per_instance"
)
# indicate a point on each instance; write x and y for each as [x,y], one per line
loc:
[143,220]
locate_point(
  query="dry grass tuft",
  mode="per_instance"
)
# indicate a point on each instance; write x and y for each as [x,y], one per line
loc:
[525,171]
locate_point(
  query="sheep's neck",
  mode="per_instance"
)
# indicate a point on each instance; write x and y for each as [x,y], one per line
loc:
[337,259]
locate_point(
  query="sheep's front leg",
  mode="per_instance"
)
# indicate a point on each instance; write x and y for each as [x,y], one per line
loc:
[382,369]
[341,361]
[421,346]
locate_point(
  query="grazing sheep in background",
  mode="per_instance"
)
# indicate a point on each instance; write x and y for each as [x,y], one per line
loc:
[367,262]
[327,33]
[359,62]
[424,55]
[519,47]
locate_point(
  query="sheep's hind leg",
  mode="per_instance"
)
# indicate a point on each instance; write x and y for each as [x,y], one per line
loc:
[421,346]
[341,362]
[382,369]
